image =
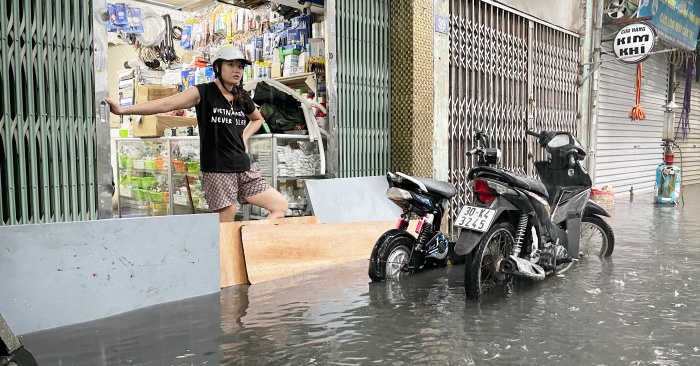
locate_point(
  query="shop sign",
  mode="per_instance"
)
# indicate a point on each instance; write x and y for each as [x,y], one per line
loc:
[676,21]
[634,42]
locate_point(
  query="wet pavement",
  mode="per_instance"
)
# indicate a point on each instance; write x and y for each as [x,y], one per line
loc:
[639,307]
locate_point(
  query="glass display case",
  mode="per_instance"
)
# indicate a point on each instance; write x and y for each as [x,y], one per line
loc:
[286,161]
[186,177]
[159,176]
[142,180]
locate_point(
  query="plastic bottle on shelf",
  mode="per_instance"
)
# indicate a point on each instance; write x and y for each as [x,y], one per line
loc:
[199,76]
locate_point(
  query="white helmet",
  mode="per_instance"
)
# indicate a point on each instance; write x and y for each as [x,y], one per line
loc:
[228,53]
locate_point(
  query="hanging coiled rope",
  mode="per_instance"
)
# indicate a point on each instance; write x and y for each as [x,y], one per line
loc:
[684,122]
[637,113]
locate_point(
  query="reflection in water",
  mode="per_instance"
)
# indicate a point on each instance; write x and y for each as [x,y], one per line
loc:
[638,307]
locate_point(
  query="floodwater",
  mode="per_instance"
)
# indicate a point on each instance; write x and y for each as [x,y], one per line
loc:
[639,307]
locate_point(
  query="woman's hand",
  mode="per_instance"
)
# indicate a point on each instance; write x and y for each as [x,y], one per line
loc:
[114,107]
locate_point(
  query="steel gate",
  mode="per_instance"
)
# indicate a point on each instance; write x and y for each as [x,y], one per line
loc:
[47,127]
[508,73]
[364,87]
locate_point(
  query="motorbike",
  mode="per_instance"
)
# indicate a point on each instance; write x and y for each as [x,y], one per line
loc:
[397,252]
[514,226]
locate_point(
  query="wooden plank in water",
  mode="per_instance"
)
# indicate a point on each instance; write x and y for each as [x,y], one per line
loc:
[232,259]
[272,253]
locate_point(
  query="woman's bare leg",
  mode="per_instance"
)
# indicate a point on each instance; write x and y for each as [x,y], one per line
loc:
[227,214]
[272,201]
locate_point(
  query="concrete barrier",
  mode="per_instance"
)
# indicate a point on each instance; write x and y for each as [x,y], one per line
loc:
[65,273]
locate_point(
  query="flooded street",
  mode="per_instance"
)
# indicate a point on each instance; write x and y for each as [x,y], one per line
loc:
[639,307]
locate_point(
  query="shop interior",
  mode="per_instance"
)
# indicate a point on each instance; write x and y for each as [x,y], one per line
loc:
[159,48]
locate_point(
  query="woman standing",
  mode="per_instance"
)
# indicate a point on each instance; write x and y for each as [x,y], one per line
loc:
[222,107]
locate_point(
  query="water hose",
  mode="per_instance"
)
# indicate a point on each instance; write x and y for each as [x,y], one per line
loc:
[680,189]
[637,113]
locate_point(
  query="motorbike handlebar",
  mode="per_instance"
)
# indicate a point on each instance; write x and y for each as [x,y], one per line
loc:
[472,151]
[533,133]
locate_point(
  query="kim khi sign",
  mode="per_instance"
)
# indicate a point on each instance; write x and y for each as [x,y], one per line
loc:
[634,42]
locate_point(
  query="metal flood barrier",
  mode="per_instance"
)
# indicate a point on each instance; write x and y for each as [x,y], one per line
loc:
[47,127]
[364,87]
[508,73]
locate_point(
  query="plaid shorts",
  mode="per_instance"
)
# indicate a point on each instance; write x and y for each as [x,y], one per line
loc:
[224,189]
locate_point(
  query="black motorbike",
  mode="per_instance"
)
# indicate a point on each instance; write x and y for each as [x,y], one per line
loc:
[398,252]
[514,226]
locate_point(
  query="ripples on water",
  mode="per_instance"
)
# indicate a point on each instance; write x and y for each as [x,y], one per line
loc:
[638,307]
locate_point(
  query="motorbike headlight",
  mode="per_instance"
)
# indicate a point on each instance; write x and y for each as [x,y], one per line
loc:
[559,141]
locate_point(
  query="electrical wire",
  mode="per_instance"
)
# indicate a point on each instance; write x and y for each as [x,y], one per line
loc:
[676,58]
[637,112]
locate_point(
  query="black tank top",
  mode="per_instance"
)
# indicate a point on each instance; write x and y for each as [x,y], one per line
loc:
[221,126]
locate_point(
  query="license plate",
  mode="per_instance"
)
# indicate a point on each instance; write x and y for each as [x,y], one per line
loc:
[475,218]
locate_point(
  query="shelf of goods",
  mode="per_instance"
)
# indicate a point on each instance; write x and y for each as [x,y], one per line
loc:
[286,161]
[153,174]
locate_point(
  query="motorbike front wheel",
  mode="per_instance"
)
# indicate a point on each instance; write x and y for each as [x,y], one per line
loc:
[482,273]
[390,259]
[597,237]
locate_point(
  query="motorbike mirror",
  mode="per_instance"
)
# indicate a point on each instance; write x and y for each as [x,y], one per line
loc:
[484,138]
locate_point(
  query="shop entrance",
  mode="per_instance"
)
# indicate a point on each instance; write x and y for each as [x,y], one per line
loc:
[508,73]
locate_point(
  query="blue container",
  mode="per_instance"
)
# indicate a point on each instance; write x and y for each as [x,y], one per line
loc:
[668,184]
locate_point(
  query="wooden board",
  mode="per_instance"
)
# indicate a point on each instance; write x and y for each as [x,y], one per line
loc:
[232,259]
[276,252]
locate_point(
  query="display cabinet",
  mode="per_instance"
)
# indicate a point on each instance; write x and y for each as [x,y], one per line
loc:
[159,176]
[286,161]
[142,180]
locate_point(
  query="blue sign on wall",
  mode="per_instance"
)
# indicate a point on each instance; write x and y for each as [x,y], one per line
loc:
[676,21]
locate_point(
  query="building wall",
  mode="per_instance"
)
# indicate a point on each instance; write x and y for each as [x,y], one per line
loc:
[412,86]
[401,85]
[415,67]
[566,14]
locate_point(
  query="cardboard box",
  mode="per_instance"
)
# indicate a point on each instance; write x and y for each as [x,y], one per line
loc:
[145,93]
[155,126]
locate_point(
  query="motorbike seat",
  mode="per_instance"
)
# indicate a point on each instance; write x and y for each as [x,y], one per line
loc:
[517,180]
[444,189]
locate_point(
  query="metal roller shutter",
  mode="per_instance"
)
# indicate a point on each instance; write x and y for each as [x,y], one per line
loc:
[690,145]
[628,152]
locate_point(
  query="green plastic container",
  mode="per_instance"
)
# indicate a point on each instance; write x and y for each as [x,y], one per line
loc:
[192,166]
[127,162]
[149,165]
[156,196]
[147,182]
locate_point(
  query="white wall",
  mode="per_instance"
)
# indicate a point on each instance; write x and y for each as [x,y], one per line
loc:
[567,14]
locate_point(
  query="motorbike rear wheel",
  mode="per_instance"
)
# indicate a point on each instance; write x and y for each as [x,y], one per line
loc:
[392,260]
[597,237]
[482,273]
